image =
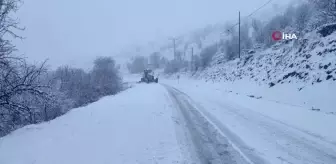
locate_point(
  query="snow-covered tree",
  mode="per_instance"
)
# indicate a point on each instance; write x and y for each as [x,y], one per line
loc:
[258,34]
[154,60]
[288,17]
[195,63]
[231,48]
[105,77]
[171,66]
[326,9]
[21,84]
[207,54]
[138,64]
[163,61]
[302,16]
[245,38]
[74,83]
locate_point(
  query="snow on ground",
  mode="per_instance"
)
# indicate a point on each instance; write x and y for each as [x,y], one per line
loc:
[134,126]
[278,132]
[319,96]
[272,103]
[196,122]
[131,78]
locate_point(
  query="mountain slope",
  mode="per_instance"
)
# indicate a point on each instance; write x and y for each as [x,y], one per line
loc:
[300,73]
[311,59]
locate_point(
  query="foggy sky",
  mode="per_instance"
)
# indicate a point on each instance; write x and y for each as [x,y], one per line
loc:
[75,31]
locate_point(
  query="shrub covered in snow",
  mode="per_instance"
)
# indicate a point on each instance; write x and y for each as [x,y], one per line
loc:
[327,29]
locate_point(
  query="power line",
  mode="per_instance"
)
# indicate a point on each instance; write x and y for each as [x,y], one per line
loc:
[239,35]
[260,8]
[255,11]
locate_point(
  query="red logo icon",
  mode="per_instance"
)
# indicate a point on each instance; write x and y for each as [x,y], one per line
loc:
[276,35]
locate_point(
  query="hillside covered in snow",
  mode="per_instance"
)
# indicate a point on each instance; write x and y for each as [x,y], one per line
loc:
[297,72]
[300,73]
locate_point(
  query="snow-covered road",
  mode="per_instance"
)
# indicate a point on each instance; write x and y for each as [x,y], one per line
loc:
[209,144]
[258,137]
[174,123]
[278,133]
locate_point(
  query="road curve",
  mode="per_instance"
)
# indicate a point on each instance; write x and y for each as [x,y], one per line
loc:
[214,143]
[209,143]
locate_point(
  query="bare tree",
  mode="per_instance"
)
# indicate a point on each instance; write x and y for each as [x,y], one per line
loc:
[22,87]
[7,27]
[30,94]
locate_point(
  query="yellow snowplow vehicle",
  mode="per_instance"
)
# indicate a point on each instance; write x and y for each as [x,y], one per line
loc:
[148,77]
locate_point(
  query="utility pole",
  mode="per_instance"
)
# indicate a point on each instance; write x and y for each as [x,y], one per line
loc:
[192,59]
[239,36]
[174,44]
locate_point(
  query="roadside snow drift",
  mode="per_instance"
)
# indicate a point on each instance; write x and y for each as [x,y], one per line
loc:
[277,132]
[134,126]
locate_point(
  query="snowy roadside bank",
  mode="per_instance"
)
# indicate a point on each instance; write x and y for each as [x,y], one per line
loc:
[286,110]
[276,132]
[319,96]
[134,126]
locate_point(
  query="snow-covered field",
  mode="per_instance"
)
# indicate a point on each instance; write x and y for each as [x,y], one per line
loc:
[185,121]
[134,126]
